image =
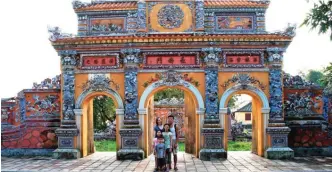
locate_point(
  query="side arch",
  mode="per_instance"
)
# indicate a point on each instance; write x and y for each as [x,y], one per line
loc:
[260,121]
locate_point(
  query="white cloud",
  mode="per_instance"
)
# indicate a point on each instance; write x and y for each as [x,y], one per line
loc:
[27,56]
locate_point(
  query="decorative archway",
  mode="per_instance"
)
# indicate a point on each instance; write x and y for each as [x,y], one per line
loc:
[173,79]
[262,120]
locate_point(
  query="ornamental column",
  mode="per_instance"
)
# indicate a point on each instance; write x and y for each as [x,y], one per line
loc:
[131,130]
[277,129]
[212,130]
[68,130]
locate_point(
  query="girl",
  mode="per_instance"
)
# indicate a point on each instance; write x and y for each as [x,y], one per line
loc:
[168,144]
[155,143]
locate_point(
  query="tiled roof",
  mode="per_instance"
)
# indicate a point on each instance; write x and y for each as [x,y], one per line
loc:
[106,6]
[159,38]
[236,3]
[245,108]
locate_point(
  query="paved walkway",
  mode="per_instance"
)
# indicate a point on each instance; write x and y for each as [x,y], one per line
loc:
[237,161]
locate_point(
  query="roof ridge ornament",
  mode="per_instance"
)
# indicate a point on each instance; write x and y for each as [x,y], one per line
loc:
[55,33]
[78,4]
[290,30]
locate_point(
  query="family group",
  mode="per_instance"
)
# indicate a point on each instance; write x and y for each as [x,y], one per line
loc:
[165,144]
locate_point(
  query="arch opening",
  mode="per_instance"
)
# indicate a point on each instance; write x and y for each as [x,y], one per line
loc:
[86,139]
[192,103]
[258,117]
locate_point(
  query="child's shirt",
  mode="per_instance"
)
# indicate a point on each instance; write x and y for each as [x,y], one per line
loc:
[160,149]
[155,142]
[167,138]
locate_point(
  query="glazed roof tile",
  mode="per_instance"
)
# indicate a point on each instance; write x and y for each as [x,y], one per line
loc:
[236,3]
[171,37]
[108,6]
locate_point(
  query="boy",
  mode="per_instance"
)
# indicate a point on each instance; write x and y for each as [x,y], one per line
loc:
[160,154]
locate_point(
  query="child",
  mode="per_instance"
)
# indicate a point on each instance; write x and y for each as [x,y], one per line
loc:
[160,154]
[155,143]
[168,143]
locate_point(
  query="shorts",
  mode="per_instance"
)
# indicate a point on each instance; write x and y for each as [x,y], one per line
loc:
[175,150]
[161,163]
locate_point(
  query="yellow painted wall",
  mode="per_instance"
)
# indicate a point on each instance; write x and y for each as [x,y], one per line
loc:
[241,117]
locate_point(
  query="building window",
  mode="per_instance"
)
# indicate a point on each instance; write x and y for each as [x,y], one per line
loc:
[248,116]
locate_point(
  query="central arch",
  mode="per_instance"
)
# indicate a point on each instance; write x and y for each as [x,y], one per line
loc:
[261,111]
[193,94]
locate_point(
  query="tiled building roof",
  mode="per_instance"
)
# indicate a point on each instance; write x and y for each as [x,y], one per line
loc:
[245,108]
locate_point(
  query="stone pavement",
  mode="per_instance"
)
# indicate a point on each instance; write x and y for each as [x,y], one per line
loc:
[237,161]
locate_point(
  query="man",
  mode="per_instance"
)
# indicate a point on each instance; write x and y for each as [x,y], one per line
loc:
[175,134]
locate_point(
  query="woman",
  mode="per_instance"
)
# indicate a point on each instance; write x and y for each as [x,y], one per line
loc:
[159,126]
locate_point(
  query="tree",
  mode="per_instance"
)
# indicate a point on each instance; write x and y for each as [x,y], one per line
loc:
[327,78]
[103,111]
[315,76]
[231,102]
[320,16]
[169,93]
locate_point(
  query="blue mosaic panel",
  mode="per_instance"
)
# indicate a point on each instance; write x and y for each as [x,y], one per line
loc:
[211,92]
[275,94]
[131,94]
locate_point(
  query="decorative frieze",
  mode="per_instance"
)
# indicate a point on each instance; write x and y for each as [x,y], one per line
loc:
[99,83]
[243,79]
[212,57]
[131,59]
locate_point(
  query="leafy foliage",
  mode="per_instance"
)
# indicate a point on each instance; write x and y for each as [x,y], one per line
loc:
[232,101]
[168,93]
[315,76]
[327,79]
[103,111]
[320,16]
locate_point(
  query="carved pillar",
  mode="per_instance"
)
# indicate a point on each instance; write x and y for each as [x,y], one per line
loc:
[212,130]
[131,130]
[200,15]
[68,129]
[141,16]
[276,128]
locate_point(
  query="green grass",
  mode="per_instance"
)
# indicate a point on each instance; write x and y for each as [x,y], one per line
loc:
[239,146]
[181,147]
[110,146]
[105,146]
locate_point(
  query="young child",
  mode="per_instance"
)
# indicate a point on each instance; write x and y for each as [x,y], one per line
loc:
[168,143]
[155,143]
[160,154]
